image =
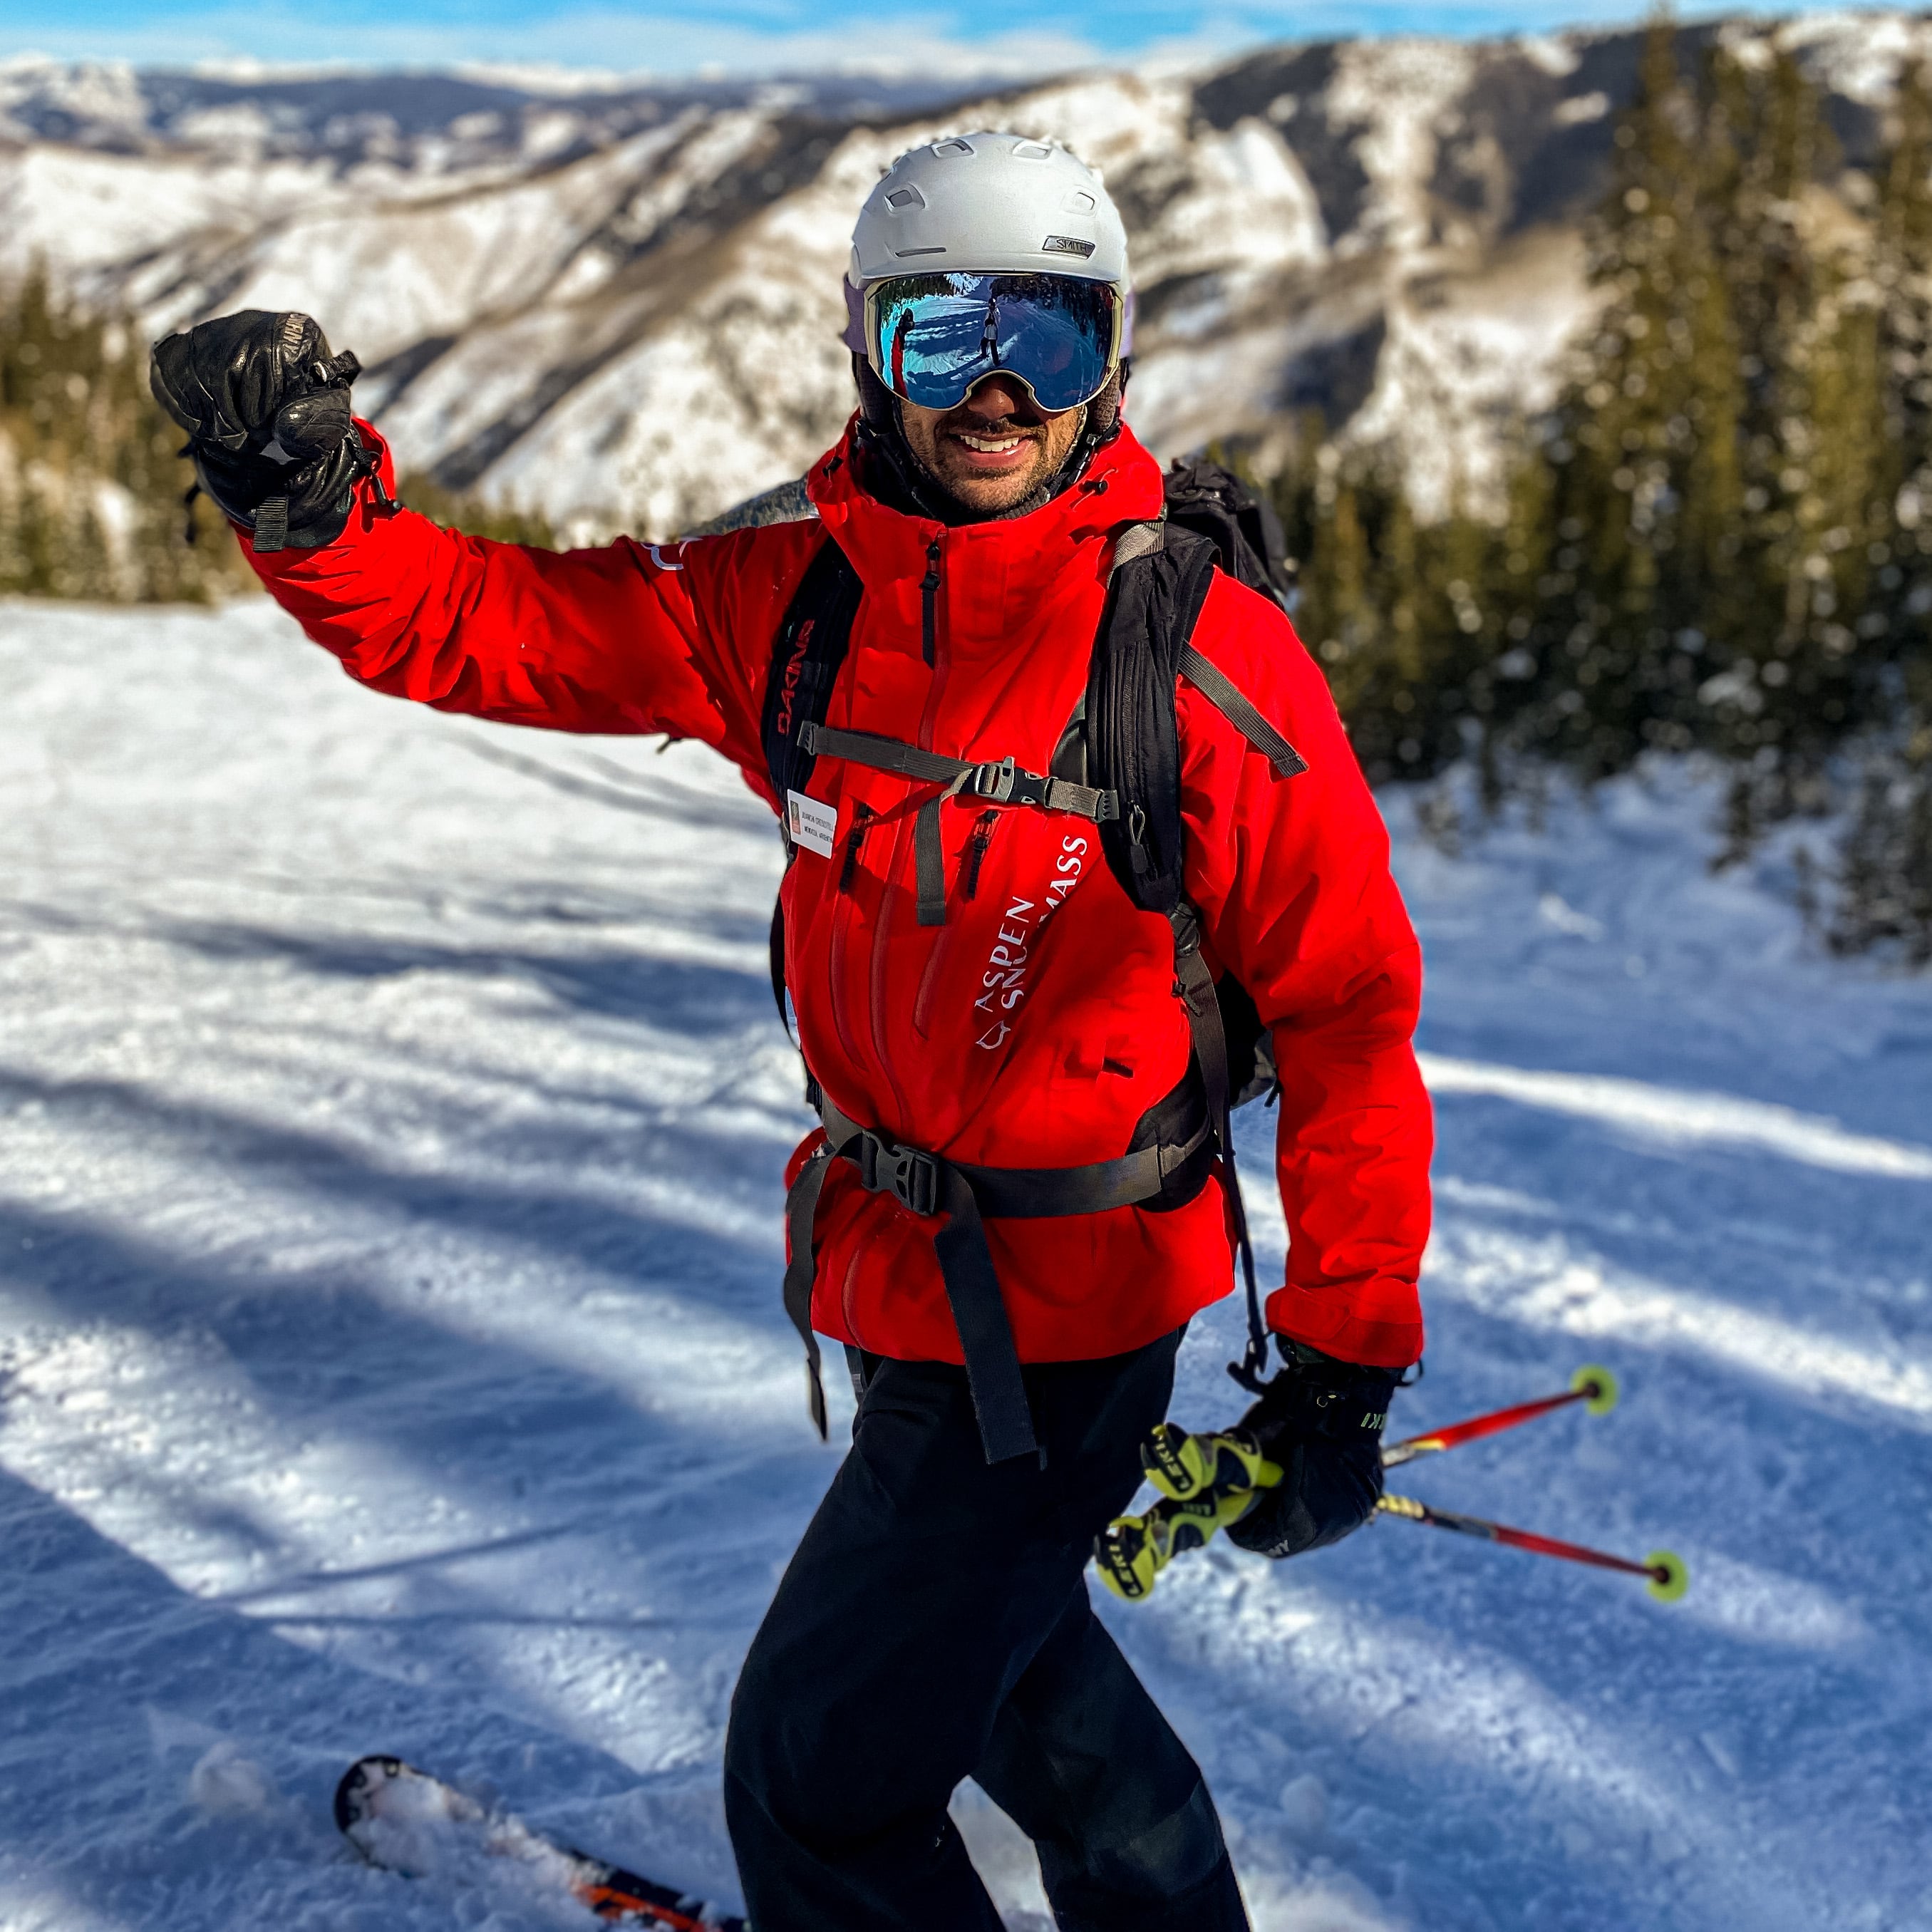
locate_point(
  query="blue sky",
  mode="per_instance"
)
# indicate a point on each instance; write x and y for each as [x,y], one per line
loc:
[737,36]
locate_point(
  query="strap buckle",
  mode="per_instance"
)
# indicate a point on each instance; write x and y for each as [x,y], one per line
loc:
[995,781]
[1007,783]
[1186,924]
[910,1174]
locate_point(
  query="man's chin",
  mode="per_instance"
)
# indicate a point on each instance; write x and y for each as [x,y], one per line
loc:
[978,490]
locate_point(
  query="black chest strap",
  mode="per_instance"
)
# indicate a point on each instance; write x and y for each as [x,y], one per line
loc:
[997,781]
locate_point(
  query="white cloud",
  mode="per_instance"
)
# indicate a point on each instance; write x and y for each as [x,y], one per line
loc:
[599,39]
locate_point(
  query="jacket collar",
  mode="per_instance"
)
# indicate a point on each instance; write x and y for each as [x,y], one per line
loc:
[1019,560]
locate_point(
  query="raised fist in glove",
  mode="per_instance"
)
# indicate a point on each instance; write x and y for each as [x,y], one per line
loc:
[1321,1421]
[267,413]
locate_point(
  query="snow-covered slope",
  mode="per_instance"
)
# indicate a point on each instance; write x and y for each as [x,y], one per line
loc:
[391,1115]
[623,307]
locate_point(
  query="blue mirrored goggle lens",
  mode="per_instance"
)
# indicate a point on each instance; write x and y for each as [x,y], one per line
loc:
[934,336]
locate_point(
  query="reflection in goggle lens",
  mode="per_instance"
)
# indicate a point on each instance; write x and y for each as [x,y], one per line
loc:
[934,336]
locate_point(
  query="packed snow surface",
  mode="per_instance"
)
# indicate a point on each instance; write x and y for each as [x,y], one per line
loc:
[392,1113]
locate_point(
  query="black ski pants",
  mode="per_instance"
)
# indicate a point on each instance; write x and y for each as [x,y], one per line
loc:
[934,1626]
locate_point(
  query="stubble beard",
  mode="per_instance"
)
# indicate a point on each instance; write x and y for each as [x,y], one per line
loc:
[934,438]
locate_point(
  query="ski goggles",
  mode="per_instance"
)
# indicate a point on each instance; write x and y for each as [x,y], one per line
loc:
[931,337]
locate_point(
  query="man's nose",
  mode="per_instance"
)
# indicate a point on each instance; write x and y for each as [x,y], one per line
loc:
[998,395]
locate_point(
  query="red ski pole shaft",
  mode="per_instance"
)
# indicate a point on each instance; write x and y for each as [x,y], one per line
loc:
[1594,1386]
[1668,1576]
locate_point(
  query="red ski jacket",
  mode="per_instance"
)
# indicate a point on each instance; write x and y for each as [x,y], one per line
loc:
[1038,1025]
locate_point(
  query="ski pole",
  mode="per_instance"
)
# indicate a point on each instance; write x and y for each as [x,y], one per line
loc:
[1595,1386]
[1132,1551]
[1669,1578]
[1208,1482]
[1179,1465]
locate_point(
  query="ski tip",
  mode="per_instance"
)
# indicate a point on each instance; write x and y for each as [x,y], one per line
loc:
[1598,1386]
[1669,1578]
[358,1781]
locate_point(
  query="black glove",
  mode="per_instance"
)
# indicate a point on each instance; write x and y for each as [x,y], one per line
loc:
[267,413]
[1322,1421]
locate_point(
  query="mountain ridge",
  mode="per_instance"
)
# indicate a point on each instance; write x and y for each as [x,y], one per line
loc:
[622,308]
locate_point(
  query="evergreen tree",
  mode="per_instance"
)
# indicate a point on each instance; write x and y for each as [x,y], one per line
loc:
[1811,435]
[91,482]
[1885,874]
[1587,624]
[1395,612]
[1721,537]
[90,489]
[1637,614]
[455,510]
[1901,272]
[1718,452]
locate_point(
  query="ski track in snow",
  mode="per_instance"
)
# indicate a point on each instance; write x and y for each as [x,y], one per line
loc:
[391,1114]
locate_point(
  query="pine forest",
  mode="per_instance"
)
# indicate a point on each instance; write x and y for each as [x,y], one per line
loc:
[1720,539]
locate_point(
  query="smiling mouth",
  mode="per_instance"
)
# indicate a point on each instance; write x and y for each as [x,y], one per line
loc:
[1001,448]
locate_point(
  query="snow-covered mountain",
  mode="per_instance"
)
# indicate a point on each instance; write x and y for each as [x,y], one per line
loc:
[622,305]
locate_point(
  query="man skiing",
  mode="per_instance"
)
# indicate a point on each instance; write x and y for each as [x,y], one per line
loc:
[1020,1192]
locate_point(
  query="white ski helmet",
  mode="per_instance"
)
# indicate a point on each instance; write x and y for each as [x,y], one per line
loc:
[988,203]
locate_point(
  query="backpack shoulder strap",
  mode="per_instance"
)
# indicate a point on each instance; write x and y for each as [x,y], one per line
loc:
[807,652]
[1159,582]
[1161,577]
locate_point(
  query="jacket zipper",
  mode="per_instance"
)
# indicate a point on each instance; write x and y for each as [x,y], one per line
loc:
[976,854]
[862,817]
[929,588]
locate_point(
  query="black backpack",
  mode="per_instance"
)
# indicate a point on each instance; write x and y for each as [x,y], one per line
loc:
[1118,764]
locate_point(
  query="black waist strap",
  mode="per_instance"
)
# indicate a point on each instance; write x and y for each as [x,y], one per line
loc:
[1010,1193]
[927,1185]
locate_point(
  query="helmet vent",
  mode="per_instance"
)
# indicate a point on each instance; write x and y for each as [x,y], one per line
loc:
[1033,151]
[905,197]
[1066,245]
[950,148]
[1078,203]
[903,252]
